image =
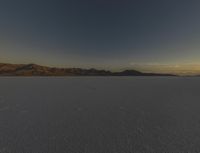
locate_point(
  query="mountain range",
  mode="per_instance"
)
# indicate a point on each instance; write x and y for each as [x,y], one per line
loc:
[38,70]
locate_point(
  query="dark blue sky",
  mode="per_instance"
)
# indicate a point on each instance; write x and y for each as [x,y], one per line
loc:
[109,34]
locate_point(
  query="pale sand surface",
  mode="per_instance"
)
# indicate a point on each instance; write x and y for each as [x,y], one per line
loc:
[99,115]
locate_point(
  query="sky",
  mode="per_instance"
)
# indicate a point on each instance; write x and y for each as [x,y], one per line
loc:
[149,35]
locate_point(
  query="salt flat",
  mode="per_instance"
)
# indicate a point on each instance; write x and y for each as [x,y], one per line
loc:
[99,115]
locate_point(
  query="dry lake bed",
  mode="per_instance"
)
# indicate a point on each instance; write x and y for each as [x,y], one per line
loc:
[99,115]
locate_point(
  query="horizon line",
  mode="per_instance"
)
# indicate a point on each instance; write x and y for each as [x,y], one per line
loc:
[178,73]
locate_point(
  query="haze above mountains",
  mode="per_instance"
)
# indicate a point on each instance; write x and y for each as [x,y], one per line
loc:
[38,70]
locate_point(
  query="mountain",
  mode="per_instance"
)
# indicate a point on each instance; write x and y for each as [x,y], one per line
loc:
[37,70]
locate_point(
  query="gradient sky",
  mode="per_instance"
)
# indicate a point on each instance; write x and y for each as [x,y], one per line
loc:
[151,35]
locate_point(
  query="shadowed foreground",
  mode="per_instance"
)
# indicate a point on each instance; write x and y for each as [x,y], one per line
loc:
[99,115]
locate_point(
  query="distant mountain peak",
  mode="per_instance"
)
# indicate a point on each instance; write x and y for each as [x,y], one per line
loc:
[38,70]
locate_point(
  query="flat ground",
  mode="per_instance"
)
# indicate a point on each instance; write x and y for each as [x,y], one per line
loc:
[99,115]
